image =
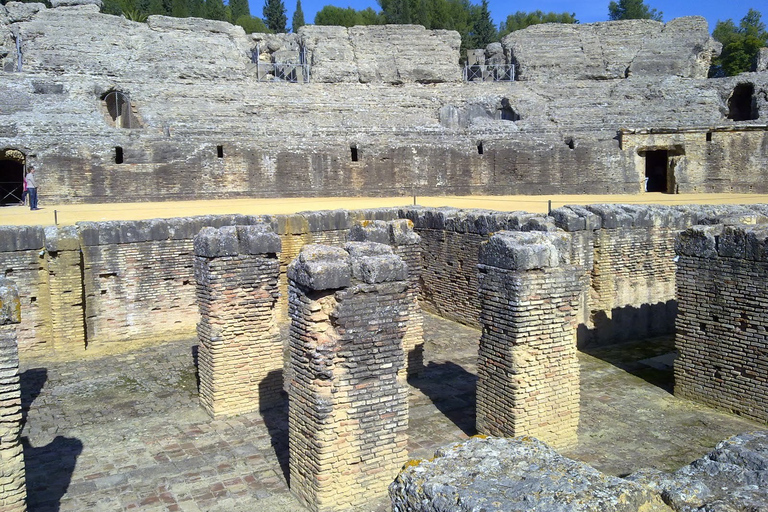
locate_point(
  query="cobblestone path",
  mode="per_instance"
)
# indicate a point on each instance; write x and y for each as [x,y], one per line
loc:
[125,432]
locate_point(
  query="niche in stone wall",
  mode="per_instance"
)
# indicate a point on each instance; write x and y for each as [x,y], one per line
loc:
[120,111]
[11,176]
[506,112]
[742,105]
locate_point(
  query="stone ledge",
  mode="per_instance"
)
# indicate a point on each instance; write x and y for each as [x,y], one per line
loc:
[234,240]
[514,250]
[481,222]
[21,238]
[743,241]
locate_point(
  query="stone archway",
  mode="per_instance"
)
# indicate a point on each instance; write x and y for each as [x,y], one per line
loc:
[12,164]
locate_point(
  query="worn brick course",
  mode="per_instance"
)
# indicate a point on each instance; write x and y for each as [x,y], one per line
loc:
[12,474]
[528,371]
[240,356]
[348,404]
[722,289]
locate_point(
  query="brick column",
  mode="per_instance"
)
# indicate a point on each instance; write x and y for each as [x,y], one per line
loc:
[13,491]
[527,367]
[65,284]
[722,293]
[399,234]
[240,356]
[348,400]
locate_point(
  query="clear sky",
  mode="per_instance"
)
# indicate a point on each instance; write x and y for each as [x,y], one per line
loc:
[586,11]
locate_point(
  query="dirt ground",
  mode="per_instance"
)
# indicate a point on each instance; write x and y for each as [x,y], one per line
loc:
[68,214]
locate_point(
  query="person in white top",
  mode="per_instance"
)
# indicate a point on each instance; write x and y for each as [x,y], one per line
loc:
[32,188]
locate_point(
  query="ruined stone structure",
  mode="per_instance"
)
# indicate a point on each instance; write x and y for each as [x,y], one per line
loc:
[348,401]
[240,356]
[405,243]
[13,491]
[528,374]
[381,110]
[722,277]
[524,474]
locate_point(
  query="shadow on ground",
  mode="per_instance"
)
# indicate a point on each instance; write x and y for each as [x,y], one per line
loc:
[452,390]
[650,360]
[49,468]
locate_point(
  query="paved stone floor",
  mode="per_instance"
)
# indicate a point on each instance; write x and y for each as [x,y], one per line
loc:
[125,432]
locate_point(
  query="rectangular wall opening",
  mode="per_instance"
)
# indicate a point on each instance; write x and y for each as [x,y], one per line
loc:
[220,151]
[353,151]
[118,155]
[656,167]
[480,148]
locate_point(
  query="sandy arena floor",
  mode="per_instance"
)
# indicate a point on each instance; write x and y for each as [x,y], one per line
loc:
[67,214]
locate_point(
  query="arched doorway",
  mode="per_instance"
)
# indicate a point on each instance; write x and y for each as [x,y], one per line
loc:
[12,162]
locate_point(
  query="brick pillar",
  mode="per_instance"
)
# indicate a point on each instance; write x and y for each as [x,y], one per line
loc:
[399,234]
[65,283]
[13,491]
[722,320]
[348,400]
[527,367]
[240,356]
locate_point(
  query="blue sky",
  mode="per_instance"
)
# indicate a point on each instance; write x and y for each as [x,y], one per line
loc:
[586,12]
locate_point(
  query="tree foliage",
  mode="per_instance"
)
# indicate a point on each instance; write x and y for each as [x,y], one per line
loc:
[298,18]
[632,10]
[347,17]
[520,20]
[274,16]
[740,44]
[483,31]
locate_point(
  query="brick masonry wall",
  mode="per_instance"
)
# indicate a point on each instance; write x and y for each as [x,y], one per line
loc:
[528,373]
[404,241]
[13,491]
[450,239]
[65,284]
[22,262]
[240,356]
[348,403]
[722,289]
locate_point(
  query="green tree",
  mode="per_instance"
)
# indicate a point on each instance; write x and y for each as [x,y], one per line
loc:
[332,15]
[483,29]
[396,11]
[214,10]
[252,24]
[274,16]
[632,10]
[197,8]
[369,17]
[740,44]
[239,8]
[520,20]
[156,7]
[298,18]
[179,8]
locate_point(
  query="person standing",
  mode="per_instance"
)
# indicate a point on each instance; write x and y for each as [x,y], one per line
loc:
[32,188]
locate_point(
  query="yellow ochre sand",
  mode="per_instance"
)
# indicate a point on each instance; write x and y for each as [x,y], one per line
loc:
[68,214]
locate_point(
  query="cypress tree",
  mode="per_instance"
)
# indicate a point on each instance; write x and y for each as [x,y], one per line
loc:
[298,18]
[274,16]
[214,10]
[239,8]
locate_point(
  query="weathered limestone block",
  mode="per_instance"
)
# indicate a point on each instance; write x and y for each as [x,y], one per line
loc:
[722,294]
[734,476]
[614,49]
[13,491]
[527,366]
[399,234]
[513,475]
[385,53]
[240,356]
[348,400]
[761,60]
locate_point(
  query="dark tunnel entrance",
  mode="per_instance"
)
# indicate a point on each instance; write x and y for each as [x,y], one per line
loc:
[656,166]
[11,177]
